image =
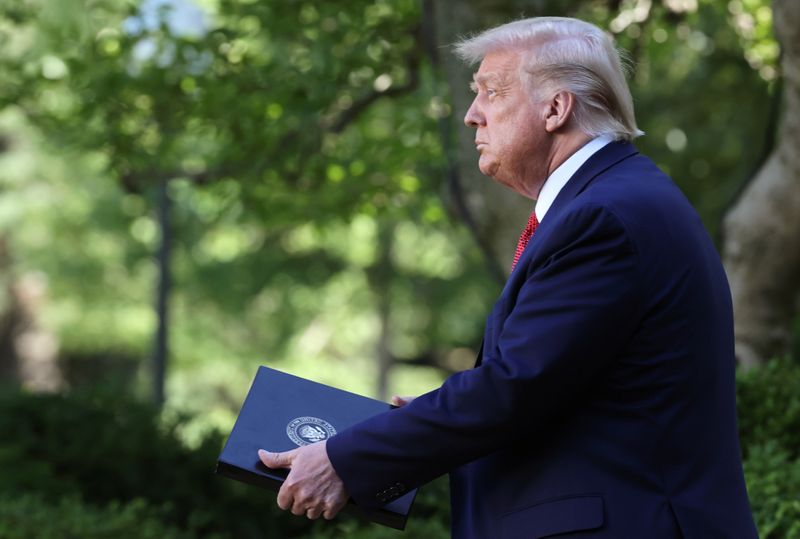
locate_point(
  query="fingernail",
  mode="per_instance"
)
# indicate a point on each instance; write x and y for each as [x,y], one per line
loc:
[262,453]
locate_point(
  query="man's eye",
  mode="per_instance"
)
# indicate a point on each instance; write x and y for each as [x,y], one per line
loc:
[490,92]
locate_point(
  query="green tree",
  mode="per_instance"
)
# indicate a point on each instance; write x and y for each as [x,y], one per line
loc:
[318,192]
[287,133]
[762,243]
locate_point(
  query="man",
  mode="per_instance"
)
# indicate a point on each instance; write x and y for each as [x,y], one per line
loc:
[602,403]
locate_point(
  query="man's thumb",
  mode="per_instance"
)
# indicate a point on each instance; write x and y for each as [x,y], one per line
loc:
[276,460]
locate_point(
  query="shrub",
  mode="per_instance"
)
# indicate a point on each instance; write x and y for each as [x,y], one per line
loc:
[88,461]
[102,448]
[773,483]
[768,402]
[429,519]
[33,517]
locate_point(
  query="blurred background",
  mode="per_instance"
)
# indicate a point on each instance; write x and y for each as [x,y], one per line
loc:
[193,188]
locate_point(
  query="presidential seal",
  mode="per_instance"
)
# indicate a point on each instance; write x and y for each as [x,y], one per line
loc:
[309,430]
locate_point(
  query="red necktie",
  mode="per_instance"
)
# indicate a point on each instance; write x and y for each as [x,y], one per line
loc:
[525,237]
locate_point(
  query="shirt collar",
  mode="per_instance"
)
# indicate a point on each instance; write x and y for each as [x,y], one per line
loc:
[561,175]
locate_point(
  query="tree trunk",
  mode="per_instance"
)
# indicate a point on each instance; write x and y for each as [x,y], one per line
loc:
[380,282]
[28,352]
[161,344]
[761,249]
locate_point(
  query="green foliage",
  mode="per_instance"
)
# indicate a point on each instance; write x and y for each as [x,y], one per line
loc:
[429,519]
[305,167]
[108,448]
[302,151]
[301,144]
[773,484]
[92,450]
[417,529]
[78,453]
[768,401]
[31,516]
[686,58]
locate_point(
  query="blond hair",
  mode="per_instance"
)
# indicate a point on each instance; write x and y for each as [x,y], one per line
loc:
[563,54]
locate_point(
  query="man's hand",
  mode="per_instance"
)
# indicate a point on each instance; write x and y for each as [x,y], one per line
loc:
[401,401]
[312,486]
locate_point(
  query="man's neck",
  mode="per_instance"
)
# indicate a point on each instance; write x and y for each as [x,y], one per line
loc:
[563,148]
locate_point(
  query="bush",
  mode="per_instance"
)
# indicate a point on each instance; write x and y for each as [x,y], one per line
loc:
[768,402]
[108,448]
[429,519]
[773,483]
[102,448]
[33,517]
[89,461]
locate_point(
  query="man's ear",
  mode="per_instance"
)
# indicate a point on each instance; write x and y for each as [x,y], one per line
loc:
[558,111]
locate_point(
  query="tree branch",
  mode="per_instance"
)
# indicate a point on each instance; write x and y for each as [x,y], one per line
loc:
[412,65]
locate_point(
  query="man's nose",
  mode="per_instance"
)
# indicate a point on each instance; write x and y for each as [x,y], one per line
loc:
[474,118]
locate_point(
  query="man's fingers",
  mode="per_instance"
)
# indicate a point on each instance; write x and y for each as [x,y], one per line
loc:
[312,487]
[285,498]
[298,509]
[276,460]
[314,513]
[301,503]
[332,511]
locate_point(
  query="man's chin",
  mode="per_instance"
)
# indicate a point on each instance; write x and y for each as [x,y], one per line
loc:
[488,169]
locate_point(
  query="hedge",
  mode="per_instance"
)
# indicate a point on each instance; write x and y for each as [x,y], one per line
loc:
[97,466]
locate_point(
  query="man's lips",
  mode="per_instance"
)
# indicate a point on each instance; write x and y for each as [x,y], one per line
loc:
[479,144]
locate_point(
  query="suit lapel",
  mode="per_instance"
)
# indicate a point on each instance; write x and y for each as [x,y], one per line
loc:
[605,158]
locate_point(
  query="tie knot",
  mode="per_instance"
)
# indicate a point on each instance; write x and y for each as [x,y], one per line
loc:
[533,222]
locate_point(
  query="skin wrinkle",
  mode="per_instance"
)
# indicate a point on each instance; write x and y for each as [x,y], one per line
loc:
[500,119]
[521,139]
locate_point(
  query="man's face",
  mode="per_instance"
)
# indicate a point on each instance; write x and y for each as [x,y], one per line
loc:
[510,137]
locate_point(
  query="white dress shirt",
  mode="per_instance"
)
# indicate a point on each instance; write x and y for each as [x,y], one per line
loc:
[560,176]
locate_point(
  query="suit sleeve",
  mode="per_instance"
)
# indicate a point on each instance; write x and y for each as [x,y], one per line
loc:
[573,314]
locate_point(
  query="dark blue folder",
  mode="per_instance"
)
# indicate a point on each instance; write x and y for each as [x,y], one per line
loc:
[282,412]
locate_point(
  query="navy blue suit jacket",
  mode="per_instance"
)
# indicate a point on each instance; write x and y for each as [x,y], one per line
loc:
[603,403]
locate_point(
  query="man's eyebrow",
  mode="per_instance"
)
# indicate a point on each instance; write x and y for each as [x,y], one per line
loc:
[479,80]
[483,78]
